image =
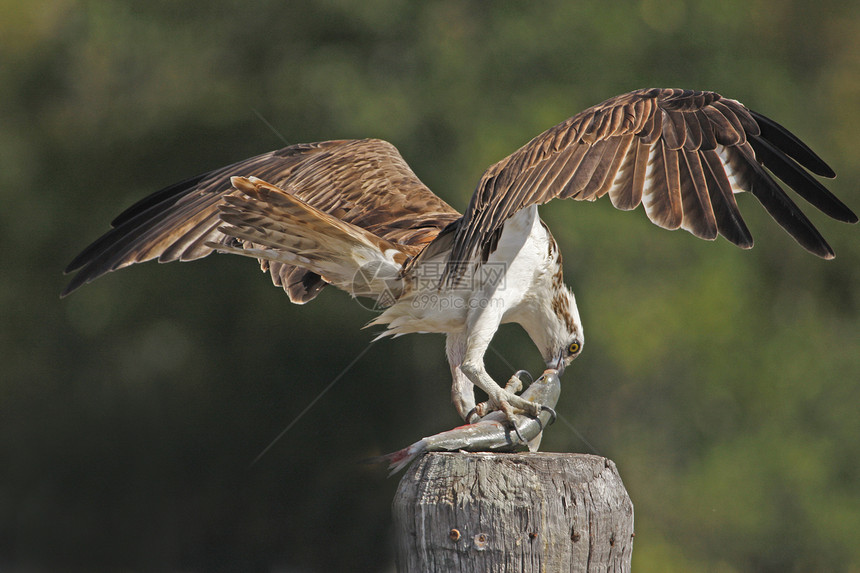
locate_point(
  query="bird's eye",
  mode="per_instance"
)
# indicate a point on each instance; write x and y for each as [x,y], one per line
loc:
[573,348]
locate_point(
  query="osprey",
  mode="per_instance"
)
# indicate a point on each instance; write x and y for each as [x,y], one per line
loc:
[352,214]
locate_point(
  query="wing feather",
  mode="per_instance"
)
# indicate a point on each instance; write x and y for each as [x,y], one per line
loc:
[688,154]
[698,214]
[363,182]
[591,172]
[790,145]
[694,135]
[620,158]
[724,132]
[628,194]
[783,209]
[604,171]
[662,194]
[641,169]
[800,180]
[709,138]
[730,224]
[621,190]
[727,112]
[674,129]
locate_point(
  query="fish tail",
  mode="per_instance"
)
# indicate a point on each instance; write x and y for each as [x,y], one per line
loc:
[402,458]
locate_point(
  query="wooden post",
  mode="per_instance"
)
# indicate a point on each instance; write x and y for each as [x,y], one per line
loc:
[482,512]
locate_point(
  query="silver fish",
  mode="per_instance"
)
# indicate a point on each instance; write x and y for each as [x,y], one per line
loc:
[494,432]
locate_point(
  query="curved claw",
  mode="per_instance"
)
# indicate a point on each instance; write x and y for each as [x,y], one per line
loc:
[552,414]
[472,416]
[519,435]
[552,417]
[519,374]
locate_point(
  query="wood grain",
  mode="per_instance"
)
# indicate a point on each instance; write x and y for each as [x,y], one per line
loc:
[525,512]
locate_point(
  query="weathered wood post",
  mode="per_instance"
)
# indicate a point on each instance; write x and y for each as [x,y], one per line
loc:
[481,512]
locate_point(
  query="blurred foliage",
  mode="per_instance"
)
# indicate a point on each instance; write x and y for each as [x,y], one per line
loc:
[723,383]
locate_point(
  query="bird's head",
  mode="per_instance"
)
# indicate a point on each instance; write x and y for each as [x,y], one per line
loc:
[559,336]
[565,354]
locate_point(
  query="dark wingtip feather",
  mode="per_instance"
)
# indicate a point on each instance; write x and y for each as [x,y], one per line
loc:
[801,181]
[740,237]
[730,223]
[90,263]
[159,198]
[91,252]
[788,215]
[158,201]
[77,282]
[789,143]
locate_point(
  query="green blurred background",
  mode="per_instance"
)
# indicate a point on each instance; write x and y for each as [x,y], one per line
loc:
[723,383]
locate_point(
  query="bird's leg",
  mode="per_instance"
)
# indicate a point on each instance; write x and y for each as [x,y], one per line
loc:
[482,324]
[463,395]
[462,389]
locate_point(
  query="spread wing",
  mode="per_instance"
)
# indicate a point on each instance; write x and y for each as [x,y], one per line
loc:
[682,154]
[363,182]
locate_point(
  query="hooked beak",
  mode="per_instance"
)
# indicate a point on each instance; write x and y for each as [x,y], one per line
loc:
[556,364]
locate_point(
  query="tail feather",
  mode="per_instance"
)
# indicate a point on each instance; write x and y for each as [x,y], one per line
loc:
[277,226]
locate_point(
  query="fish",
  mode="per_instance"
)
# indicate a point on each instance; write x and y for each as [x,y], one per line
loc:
[495,432]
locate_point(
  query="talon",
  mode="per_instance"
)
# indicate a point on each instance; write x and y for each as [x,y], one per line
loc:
[519,374]
[552,415]
[472,416]
[519,435]
[506,407]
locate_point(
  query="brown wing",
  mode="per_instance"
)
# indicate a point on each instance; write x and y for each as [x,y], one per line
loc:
[683,154]
[363,182]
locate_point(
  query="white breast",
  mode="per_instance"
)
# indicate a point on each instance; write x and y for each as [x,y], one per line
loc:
[498,286]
